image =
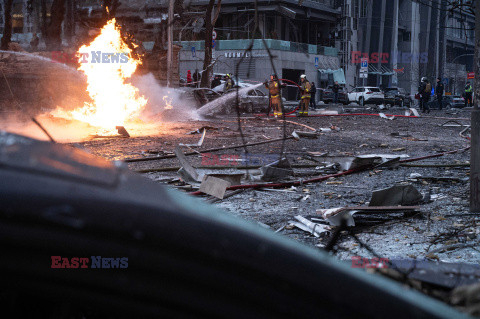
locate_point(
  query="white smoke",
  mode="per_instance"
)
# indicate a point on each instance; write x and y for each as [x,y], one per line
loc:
[161,98]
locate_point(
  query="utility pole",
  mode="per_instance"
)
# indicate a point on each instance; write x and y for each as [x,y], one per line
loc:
[170,43]
[475,123]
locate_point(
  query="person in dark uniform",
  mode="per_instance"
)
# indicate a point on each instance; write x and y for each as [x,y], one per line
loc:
[439,90]
[313,103]
[335,89]
[216,81]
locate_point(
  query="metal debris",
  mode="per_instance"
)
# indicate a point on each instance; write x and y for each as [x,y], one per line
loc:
[383,116]
[276,170]
[200,142]
[334,216]
[298,134]
[396,195]
[411,112]
[214,186]
[187,172]
[122,131]
[308,226]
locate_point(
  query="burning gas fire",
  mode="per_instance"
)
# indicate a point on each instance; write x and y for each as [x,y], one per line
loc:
[114,100]
[168,102]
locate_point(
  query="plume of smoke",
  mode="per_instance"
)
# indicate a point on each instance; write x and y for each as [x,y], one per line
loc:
[164,104]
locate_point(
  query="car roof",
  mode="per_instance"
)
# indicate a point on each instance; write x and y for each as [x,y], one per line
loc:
[367,87]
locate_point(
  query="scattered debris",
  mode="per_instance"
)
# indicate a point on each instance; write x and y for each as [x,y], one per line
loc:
[200,142]
[398,135]
[396,195]
[411,112]
[202,129]
[415,177]
[122,131]
[232,178]
[328,112]
[383,116]
[453,123]
[334,216]
[298,134]
[214,186]
[187,172]
[276,170]
[308,226]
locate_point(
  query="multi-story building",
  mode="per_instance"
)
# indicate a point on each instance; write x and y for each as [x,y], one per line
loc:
[405,40]
[299,35]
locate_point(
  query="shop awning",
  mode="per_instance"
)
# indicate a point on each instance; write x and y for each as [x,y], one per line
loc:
[383,70]
[338,74]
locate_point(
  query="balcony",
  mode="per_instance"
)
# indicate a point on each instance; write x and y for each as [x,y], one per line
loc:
[258,44]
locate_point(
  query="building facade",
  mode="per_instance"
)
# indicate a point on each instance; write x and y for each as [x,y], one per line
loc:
[405,40]
[290,37]
[299,37]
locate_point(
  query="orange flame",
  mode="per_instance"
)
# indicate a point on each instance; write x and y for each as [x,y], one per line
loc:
[114,100]
[168,102]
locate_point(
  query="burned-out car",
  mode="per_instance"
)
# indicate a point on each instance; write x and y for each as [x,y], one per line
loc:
[327,95]
[397,96]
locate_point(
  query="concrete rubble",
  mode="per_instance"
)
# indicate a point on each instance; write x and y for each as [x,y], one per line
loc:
[394,186]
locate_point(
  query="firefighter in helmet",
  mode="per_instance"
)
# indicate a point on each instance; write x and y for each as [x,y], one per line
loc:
[228,83]
[305,95]
[275,100]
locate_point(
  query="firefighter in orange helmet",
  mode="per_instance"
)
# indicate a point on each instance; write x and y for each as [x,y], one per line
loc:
[274,87]
[305,95]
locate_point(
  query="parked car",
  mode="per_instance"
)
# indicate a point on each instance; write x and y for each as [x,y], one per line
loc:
[449,101]
[198,96]
[238,83]
[366,95]
[397,96]
[327,95]
[255,101]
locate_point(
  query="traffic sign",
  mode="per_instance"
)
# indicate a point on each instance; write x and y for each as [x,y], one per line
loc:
[363,75]
[213,44]
[471,75]
[194,53]
[214,35]
[316,62]
[364,64]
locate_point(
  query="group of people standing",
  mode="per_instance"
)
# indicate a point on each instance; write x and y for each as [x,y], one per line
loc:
[307,95]
[193,81]
[425,92]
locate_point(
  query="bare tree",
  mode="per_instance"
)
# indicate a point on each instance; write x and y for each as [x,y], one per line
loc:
[7,30]
[209,25]
[53,39]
